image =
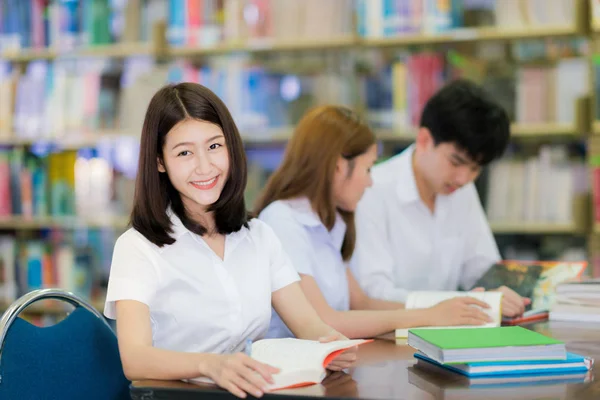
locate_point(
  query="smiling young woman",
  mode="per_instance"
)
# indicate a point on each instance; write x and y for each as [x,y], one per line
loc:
[196,277]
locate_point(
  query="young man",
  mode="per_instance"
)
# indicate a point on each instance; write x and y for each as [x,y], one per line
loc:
[421,226]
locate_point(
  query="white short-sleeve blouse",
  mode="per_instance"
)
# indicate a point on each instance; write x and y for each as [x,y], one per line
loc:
[199,302]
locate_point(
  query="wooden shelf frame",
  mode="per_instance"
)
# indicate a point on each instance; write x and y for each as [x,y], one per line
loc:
[67,222]
[536,228]
[280,136]
[158,46]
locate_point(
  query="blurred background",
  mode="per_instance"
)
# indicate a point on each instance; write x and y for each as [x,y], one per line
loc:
[76,77]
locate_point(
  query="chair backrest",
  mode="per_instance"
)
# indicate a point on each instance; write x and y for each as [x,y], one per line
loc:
[77,358]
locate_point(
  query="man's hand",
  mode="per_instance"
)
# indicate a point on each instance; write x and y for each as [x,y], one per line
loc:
[513,305]
[458,311]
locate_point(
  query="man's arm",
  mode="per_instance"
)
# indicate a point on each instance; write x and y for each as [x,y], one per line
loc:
[481,249]
[373,262]
[482,253]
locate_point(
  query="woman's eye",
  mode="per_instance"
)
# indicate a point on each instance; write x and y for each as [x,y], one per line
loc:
[214,146]
[183,153]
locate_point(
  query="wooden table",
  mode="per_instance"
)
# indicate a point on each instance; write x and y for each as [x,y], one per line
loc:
[386,370]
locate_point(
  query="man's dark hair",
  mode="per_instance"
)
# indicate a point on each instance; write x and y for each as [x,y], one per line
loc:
[154,193]
[462,113]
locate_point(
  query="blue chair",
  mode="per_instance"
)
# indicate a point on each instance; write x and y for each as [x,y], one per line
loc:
[77,358]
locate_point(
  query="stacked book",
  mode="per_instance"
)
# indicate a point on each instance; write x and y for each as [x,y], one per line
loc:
[577,301]
[499,356]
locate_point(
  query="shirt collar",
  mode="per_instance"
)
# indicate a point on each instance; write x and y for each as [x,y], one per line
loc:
[176,225]
[179,229]
[407,185]
[304,213]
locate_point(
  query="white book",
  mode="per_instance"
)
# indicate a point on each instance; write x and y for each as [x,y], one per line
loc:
[426,299]
[301,362]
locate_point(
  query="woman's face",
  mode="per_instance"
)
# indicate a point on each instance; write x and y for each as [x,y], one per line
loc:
[352,178]
[196,160]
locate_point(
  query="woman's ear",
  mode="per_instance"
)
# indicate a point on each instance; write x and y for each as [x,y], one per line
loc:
[161,166]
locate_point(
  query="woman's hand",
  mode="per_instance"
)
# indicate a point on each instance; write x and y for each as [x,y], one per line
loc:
[458,311]
[343,360]
[240,374]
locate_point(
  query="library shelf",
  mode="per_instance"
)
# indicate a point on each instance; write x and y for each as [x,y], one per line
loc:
[534,228]
[274,45]
[72,141]
[66,222]
[543,129]
[114,50]
[280,136]
[474,35]
[266,45]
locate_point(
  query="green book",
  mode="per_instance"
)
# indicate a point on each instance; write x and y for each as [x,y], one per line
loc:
[508,343]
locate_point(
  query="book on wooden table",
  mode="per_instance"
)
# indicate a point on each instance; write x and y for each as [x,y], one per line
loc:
[507,343]
[426,299]
[301,362]
[445,384]
[527,317]
[537,280]
[573,364]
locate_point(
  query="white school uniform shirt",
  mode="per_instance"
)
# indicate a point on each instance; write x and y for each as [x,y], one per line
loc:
[401,246]
[199,302]
[313,249]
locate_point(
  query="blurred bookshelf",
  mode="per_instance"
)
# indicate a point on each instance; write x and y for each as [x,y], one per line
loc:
[461,35]
[535,228]
[121,50]
[277,137]
[270,64]
[65,222]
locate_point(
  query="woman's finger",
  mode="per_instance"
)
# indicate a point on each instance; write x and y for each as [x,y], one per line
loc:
[244,382]
[233,389]
[264,370]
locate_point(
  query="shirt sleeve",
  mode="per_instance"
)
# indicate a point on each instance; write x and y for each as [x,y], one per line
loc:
[280,266]
[372,261]
[133,274]
[294,239]
[481,249]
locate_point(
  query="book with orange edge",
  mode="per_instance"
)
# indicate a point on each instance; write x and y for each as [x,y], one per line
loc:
[301,362]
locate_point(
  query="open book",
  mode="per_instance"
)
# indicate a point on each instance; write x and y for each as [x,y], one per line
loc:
[426,299]
[301,362]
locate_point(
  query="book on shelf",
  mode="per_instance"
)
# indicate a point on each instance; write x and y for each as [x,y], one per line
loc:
[77,262]
[426,299]
[301,362]
[523,189]
[388,19]
[509,343]
[67,25]
[396,88]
